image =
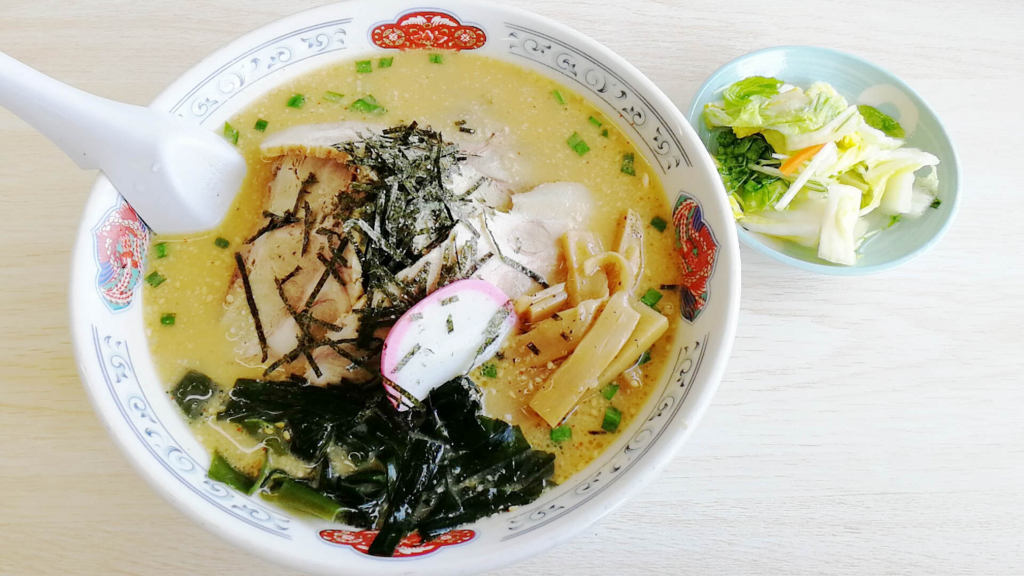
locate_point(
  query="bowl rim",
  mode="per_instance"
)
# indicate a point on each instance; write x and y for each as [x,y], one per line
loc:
[713,83]
[660,453]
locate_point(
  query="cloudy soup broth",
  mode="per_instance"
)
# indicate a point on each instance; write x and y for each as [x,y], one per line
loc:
[371,185]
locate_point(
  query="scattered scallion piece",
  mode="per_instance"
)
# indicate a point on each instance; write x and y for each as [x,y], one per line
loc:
[436,59]
[612,419]
[893,220]
[644,358]
[167,318]
[386,62]
[936,203]
[610,391]
[577,144]
[558,97]
[333,96]
[155,279]
[221,242]
[651,297]
[627,164]
[297,496]
[368,105]
[561,433]
[221,471]
[364,66]
[160,250]
[262,476]
[261,125]
[489,370]
[230,133]
[594,121]
[604,133]
[659,223]
[296,101]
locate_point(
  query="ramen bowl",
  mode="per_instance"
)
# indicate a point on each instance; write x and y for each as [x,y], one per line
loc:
[110,254]
[861,82]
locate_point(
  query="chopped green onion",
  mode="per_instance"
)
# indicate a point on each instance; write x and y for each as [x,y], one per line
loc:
[385,62]
[221,243]
[893,220]
[644,358]
[261,125]
[609,391]
[160,250]
[659,223]
[263,475]
[594,121]
[368,105]
[230,133]
[490,370]
[296,101]
[297,496]
[577,144]
[221,471]
[155,279]
[561,433]
[333,96]
[167,318]
[604,133]
[364,66]
[436,59]
[651,297]
[612,418]
[627,164]
[936,203]
[558,97]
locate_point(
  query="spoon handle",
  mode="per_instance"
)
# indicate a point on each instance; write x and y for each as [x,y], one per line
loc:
[179,177]
[84,126]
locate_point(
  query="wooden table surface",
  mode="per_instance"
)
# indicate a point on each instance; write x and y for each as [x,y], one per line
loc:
[864,426]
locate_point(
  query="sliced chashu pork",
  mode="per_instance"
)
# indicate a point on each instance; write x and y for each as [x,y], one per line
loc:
[301,241]
[310,171]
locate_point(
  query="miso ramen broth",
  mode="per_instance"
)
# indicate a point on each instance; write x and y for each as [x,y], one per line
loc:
[585,248]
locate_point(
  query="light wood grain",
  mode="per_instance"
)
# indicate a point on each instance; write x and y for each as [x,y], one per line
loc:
[864,426]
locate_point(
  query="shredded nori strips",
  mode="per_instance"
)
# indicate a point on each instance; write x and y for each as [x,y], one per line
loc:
[306,339]
[274,221]
[408,210]
[251,301]
[291,274]
[307,226]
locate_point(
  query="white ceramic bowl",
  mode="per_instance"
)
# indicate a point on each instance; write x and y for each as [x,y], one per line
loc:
[109,257]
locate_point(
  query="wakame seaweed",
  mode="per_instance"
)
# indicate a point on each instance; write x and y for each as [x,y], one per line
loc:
[429,469]
[194,392]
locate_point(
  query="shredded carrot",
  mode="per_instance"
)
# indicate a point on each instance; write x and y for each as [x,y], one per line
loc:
[798,158]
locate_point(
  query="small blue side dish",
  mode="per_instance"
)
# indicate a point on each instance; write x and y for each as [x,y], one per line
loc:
[852,77]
